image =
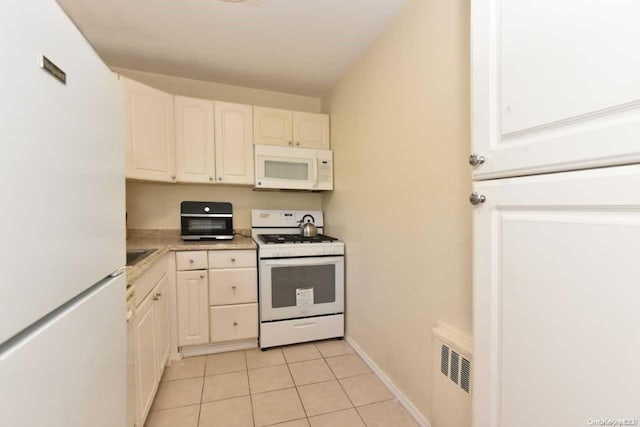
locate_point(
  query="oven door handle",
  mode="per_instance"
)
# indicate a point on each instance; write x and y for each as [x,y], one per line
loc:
[305,325]
[296,262]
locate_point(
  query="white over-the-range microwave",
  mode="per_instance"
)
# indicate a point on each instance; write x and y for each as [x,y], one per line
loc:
[288,168]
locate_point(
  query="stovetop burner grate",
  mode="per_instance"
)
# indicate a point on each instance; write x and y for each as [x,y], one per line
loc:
[295,238]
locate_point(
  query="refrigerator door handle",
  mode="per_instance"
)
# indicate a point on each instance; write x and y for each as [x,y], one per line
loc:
[119,271]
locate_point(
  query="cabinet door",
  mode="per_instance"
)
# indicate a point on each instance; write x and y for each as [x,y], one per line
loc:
[193,307]
[145,354]
[272,126]
[555,292]
[234,143]
[161,310]
[549,92]
[150,148]
[311,130]
[195,153]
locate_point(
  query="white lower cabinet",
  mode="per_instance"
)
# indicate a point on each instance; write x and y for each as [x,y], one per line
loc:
[218,301]
[151,346]
[193,307]
[234,322]
[146,357]
[161,311]
[556,298]
[151,339]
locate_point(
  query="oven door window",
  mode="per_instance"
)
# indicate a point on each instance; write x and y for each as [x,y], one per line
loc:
[293,286]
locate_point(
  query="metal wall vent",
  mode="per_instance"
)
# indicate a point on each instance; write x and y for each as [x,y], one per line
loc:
[465,376]
[444,360]
[456,368]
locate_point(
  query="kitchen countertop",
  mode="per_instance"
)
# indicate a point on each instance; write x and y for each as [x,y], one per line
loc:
[169,241]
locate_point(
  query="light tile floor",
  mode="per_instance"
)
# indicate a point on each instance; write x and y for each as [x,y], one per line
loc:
[322,384]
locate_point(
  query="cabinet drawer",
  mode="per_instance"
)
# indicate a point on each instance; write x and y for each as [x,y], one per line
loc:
[232,259]
[233,286]
[192,260]
[234,322]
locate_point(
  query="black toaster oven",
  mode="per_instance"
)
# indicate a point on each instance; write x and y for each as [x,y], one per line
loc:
[206,220]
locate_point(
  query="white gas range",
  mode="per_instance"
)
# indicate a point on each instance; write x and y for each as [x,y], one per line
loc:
[301,279]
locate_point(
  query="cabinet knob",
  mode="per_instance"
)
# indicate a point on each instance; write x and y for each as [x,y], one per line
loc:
[191,261]
[476,199]
[202,276]
[233,260]
[298,143]
[173,177]
[235,323]
[219,178]
[210,178]
[233,287]
[290,142]
[156,297]
[476,160]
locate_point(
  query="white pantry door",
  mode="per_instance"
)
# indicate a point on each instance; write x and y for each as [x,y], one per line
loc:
[555,85]
[557,299]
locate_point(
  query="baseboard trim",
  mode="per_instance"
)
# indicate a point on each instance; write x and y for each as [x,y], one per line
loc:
[402,399]
[201,350]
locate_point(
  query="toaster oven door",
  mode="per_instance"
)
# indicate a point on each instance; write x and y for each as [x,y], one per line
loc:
[213,226]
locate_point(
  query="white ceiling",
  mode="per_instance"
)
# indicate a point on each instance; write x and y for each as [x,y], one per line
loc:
[296,46]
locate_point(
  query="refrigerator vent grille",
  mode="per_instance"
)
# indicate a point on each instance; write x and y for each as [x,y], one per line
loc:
[456,368]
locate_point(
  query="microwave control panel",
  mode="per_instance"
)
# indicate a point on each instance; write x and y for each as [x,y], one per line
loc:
[325,170]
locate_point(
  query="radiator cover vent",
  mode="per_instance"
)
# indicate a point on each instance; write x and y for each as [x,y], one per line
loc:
[456,368]
[444,360]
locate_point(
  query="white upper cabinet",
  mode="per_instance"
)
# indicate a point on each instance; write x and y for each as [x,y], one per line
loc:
[195,152]
[150,148]
[272,126]
[234,143]
[550,93]
[311,130]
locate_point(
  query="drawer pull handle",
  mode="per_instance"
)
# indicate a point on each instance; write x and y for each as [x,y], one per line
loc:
[304,325]
[235,323]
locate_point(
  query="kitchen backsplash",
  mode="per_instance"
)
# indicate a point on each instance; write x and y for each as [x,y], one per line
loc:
[157,205]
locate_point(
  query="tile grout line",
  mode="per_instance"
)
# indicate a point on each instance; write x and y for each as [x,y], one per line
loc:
[246,364]
[297,391]
[204,377]
[338,379]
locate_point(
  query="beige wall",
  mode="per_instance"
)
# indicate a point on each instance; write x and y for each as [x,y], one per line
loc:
[400,134]
[223,92]
[157,206]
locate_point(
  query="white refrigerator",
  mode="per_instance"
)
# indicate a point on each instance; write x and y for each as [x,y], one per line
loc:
[62,293]
[556,153]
